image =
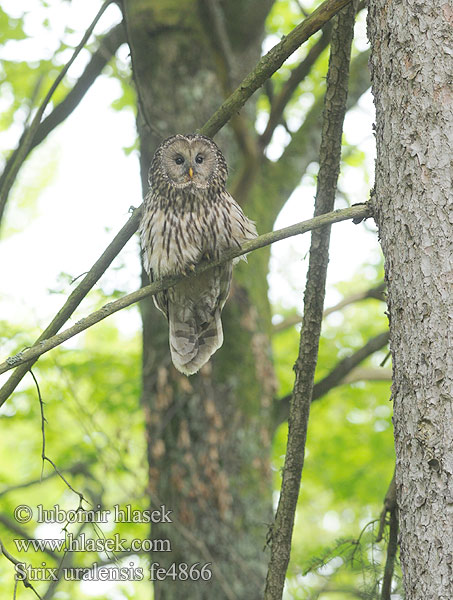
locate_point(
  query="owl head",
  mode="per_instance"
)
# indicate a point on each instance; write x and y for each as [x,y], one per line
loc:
[188,162]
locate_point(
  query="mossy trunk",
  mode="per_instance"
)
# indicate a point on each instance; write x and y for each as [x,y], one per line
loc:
[208,435]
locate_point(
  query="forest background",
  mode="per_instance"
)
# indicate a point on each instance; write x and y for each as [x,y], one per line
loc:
[72,195]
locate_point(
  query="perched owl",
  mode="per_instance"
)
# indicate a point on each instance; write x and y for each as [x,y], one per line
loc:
[189,216]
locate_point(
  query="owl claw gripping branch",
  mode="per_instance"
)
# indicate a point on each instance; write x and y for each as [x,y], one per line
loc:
[188,216]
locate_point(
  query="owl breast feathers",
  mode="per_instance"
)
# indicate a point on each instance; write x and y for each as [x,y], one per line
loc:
[189,216]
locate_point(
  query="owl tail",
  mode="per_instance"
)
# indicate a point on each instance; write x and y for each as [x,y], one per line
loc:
[193,339]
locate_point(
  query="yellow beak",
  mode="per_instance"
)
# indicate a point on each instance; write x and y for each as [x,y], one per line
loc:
[190,172]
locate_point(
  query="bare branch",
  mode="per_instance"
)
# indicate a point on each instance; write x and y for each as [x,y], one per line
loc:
[346,365]
[330,156]
[23,533]
[29,134]
[277,56]
[297,76]
[368,374]
[374,292]
[107,48]
[338,375]
[16,563]
[95,273]
[45,344]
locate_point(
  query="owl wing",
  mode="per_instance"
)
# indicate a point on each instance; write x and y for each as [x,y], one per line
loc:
[240,228]
[193,307]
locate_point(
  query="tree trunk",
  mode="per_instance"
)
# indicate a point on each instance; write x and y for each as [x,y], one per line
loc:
[412,46]
[208,435]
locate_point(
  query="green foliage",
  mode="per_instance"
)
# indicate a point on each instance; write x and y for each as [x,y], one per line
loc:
[35,176]
[94,428]
[349,457]
[93,433]
[10,28]
[283,17]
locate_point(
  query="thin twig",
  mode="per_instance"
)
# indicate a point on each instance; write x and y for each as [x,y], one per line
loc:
[16,563]
[376,292]
[392,548]
[298,74]
[336,376]
[107,48]
[76,297]
[30,133]
[329,159]
[220,117]
[44,457]
[22,358]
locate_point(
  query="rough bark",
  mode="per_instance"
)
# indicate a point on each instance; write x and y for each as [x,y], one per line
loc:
[330,155]
[411,66]
[208,436]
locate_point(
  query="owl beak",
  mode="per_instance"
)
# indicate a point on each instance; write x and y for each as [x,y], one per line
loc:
[190,172]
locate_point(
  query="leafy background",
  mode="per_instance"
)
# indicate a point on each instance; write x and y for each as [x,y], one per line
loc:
[90,387]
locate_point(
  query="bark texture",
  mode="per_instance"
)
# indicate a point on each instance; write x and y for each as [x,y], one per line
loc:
[208,435]
[329,158]
[412,66]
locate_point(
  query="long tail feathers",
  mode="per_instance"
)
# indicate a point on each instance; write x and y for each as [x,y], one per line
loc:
[193,342]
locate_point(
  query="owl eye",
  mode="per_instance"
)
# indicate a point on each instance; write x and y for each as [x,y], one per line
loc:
[199,159]
[179,160]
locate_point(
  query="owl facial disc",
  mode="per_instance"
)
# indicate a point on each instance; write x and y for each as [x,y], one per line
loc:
[189,162]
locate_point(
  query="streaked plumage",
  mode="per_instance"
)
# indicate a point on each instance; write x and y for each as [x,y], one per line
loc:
[189,216]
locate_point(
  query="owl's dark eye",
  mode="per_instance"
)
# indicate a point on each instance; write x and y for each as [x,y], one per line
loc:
[199,159]
[179,160]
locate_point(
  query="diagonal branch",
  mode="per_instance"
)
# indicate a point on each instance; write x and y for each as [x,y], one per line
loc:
[25,358]
[17,563]
[319,17]
[271,62]
[368,374]
[337,375]
[346,365]
[330,156]
[29,134]
[23,533]
[107,48]
[90,279]
[376,292]
[297,76]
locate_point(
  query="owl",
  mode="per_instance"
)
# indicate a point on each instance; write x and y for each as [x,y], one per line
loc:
[189,217]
